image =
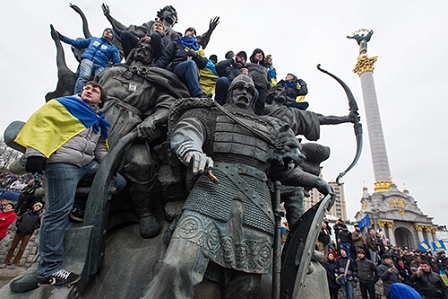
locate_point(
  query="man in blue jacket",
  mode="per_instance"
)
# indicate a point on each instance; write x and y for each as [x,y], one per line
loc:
[99,52]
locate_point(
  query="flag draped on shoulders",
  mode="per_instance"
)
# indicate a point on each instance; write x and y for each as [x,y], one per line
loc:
[56,122]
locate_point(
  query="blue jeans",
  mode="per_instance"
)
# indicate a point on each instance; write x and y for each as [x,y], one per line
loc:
[187,71]
[87,179]
[347,290]
[62,180]
[86,69]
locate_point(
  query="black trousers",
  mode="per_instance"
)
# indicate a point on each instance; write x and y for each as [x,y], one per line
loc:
[367,287]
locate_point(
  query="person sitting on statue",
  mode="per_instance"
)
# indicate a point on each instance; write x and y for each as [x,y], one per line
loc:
[271,69]
[99,52]
[261,78]
[63,138]
[139,98]
[228,217]
[182,57]
[296,90]
[228,70]
[156,37]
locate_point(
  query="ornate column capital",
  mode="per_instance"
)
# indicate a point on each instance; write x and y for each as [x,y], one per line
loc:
[364,64]
[427,228]
[419,227]
[381,223]
[434,230]
[390,224]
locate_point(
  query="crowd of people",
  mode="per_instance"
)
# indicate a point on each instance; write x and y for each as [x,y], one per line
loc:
[367,257]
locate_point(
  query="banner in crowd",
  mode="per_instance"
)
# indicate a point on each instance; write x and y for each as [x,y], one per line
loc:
[365,221]
[438,245]
[424,246]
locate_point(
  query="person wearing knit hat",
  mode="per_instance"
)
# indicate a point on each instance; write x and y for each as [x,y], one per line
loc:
[367,275]
[388,274]
[26,225]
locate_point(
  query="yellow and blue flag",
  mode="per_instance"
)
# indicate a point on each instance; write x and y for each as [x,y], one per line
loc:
[56,122]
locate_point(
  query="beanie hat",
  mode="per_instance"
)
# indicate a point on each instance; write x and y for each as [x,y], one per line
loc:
[40,205]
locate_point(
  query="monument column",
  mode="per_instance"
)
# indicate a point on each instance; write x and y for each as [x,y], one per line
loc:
[434,236]
[428,234]
[419,230]
[390,232]
[364,68]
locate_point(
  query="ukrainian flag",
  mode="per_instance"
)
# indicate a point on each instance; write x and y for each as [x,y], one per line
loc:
[57,122]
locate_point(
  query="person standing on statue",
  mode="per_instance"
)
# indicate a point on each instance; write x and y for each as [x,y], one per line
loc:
[63,138]
[228,216]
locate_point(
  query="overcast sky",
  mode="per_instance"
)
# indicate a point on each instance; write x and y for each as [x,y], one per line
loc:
[410,74]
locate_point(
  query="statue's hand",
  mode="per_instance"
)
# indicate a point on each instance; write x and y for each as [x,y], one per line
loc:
[324,188]
[55,35]
[200,162]
[213,23]
[106,9]
[75,8]
[145,130]
[353,115]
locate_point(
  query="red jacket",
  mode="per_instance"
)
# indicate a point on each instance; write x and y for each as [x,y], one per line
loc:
[6,218]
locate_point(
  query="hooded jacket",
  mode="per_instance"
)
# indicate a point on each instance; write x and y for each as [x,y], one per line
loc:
[99,50]
[258,72]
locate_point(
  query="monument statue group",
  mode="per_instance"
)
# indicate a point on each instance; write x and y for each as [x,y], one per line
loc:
[204,182]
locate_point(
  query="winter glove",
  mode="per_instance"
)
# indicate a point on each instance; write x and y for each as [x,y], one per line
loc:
[36,164]
[192,54]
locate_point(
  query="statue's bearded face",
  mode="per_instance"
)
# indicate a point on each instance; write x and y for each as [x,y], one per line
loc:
[143,52]
[243,95]
[170,15]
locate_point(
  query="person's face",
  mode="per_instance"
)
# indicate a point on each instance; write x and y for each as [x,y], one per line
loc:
[258,56]
[30,182]
[343,253]
[361,255]
[357,229]
[290,77]
[36,208]
[8,208]
[243,95]
[91,95]
[388,261]
[143,52]
[158,27]
[108,34]
[425,268]
[241,58]
[269,59]
[324,225]
[331,257]
[190,33]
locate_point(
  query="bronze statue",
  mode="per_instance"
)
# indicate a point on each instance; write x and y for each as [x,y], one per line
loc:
[139,97]
[362,37]
[228,218]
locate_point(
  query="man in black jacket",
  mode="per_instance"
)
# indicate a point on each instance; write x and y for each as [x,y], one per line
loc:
[228,70]
[430,284]
[367,274]
[26,198]
[26,225]
[182,58]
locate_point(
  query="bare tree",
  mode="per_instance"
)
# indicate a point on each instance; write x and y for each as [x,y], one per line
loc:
[7,155]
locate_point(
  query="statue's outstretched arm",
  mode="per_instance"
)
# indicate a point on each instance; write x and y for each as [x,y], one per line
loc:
[335,120]
[85,24]
[205,38]
[116,25]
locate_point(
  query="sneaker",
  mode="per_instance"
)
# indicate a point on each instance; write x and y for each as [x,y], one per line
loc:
[12,266]
[59,278]
[3,266]
[77,215]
